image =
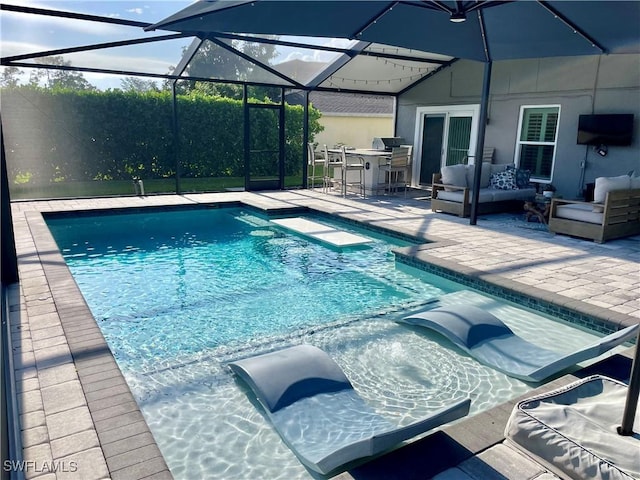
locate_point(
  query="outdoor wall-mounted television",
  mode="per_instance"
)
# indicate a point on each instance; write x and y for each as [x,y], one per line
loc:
[605,129]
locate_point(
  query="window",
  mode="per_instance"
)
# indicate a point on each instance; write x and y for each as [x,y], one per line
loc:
[537,140]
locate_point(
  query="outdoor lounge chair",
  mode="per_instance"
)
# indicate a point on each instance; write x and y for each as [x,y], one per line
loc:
[572,430]
[491,342]
[319,415]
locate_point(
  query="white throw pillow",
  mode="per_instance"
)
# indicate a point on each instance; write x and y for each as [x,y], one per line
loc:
[455,175]
[504,180]
[606,184]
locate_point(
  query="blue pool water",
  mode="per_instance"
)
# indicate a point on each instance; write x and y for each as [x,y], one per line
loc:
[178,294]
[182,282]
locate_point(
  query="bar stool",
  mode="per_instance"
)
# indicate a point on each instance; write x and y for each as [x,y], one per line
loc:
[327,180]
[312,162]
[351,163]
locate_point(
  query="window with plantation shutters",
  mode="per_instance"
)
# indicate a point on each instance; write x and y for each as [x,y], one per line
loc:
[537,140]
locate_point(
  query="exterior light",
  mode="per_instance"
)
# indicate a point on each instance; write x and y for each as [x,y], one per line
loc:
[601,150]
[458,17]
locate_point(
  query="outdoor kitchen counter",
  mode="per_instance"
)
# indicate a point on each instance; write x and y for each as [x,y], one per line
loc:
[372,161]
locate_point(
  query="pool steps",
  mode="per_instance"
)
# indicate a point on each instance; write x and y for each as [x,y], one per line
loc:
[323,233]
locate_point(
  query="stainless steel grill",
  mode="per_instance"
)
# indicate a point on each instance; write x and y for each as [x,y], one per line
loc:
[387,143]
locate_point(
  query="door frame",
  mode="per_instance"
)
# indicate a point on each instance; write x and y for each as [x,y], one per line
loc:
[277,183]
[448,111]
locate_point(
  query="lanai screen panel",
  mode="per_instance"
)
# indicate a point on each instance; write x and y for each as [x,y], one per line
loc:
[158,58]
[213,61]
[304,64]
[25,33]
[385,69]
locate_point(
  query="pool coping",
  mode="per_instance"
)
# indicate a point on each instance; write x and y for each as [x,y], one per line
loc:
[117,418]
[592,317]
[128,446]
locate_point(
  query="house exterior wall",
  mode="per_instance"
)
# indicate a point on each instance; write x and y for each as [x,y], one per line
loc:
[580,85]
[353,130]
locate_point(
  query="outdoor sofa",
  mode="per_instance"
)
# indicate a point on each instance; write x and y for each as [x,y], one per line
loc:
[503,187]
[614,212]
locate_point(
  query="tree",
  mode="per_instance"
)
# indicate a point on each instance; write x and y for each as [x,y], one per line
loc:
[36,76]
[58,78]
[218,63]
[229,90]
[10,76]
[214,61]
[137,84]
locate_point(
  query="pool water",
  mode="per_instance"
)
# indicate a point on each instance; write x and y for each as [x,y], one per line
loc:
[179,294]
[177,283]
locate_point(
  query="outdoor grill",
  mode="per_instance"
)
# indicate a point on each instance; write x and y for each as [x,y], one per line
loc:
[387,144]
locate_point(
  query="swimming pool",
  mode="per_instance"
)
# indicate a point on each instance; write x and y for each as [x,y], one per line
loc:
[179,294]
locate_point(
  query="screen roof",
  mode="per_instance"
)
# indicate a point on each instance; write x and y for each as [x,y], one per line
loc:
[108,39]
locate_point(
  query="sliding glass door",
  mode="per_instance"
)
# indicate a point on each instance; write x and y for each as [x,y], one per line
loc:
[457,139]
[445,135]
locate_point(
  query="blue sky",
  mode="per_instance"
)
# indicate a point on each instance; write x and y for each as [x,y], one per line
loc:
[22,33]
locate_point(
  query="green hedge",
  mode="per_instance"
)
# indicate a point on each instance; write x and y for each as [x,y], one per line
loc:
[75,136]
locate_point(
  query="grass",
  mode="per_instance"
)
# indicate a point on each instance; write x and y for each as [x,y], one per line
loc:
[103,188]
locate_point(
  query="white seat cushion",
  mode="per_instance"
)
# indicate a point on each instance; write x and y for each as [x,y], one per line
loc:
[579,212]
[485,196]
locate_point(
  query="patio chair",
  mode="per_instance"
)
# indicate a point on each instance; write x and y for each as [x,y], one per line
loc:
[319,415]
[491,342]
[397,169]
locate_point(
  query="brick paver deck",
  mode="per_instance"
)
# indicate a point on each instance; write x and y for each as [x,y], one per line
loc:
[78,415]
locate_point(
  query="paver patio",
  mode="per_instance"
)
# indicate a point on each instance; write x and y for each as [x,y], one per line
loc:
[77,413]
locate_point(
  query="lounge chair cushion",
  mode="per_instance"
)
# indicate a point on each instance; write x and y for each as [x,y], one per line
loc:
[573,429]
[317,412]
[282,377]
[491,342]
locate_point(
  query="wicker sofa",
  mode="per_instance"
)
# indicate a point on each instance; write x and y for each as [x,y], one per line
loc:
[614,213]
[451,189]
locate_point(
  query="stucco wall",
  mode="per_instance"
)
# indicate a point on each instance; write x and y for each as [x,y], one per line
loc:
[580,85]
[353,131]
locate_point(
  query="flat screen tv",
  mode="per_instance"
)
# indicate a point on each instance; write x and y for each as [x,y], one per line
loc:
[605,129]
